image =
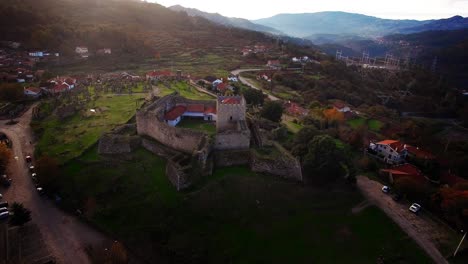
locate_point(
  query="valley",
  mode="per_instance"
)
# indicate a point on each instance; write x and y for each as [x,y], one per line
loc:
[135,133]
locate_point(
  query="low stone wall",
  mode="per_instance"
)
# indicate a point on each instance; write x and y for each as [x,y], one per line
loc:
[227,158]
[283,165]
[158,149]
[177,176]
[232,140]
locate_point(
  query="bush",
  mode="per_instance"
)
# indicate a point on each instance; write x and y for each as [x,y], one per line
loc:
[272,111]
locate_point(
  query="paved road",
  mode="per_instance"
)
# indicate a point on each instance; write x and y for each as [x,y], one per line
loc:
[248,82]
[421,230]
[65,236]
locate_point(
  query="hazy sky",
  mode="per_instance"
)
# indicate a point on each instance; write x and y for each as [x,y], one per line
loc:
[396,9]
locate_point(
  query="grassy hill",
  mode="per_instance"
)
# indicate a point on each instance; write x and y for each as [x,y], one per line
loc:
[128,27]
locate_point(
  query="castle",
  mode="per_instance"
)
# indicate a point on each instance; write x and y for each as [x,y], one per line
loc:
[192,154]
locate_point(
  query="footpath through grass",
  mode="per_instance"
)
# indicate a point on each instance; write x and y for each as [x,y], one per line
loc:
[68,138]
[234,216]
[185,90]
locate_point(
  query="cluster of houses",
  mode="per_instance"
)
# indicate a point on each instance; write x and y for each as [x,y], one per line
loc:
[399,156]
[219,85]
[55,85]
[247,50]
[83,51]
[17,66]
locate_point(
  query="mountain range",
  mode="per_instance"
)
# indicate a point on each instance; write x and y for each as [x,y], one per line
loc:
[225,21]
[313,25]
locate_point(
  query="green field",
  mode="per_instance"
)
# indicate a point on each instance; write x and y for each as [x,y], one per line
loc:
[199,125]
[372,124]
[234,216]
[291,126]
[184,90]
[68,138]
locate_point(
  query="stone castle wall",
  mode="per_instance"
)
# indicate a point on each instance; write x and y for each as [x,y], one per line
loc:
[150,122]
[283,165]
[232,140]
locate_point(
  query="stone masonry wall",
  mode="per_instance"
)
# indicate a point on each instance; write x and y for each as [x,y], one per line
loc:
[232,140]
[227,158]
[284,165]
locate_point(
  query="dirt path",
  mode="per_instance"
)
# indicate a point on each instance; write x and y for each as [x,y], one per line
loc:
[422,230]
[248,82]
[65,236]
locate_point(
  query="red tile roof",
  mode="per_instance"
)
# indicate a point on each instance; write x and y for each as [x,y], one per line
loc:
[222,87]
[231,100]
[60,88]
[273,62]
[339,105]
[394,144]
[406,170]
[419,153]
[210,110]
[175,112]
[295,109]
[70,81]
[196,108]
[33,89]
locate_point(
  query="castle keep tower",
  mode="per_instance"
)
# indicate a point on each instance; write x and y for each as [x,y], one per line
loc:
[231,110]
[232,130]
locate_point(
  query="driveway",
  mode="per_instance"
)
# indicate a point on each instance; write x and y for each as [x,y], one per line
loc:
[65,236]
[421,229]
[248,82]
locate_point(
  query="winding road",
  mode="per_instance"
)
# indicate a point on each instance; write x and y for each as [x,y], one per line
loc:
[248,82]
[65,236]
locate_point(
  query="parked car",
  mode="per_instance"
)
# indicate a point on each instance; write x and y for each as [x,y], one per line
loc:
[31,168]
[3,209]
[5,181]
[3,204]
[40,190]
[1,196]
[28,159]
[385,189]
[34,175]
[415,208]
[4,215]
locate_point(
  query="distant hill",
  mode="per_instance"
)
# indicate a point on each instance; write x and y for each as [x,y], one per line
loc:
[226,21]
[314,25]
[131,27]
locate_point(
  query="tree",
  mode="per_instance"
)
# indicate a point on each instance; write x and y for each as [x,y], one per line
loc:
[302,139]
[272,111]
[5,156]
[11,91]
[253,96]
[412,188]
[47,172]
[324,161]
[333,116]
[21,215]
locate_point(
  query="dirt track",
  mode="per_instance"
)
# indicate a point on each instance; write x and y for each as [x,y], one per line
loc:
[65,236]
[422,230]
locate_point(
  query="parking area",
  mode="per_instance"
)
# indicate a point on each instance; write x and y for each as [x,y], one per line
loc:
[421,228]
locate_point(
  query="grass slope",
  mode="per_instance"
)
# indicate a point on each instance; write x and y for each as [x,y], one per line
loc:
[67,139]
[234,216]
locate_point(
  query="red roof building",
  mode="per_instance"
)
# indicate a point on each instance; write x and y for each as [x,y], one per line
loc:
[404,170]
[231,100]
[175,113]
[158,74]
[295,110]
[196,108]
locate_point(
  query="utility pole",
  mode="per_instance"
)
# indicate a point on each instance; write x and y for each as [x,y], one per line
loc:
[459,244]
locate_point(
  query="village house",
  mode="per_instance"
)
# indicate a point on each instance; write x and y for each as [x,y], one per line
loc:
[274,64]
[82,51]
[403,170]
[32,92]
[390,151]
[295,110]
[341,107]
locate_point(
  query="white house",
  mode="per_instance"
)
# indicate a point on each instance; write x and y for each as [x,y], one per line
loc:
[233,79]
[32,91]
[390,151]
[341,107]
[176,114]
[216,82]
